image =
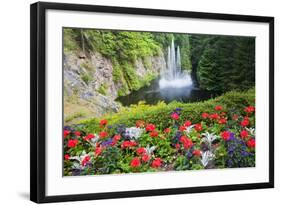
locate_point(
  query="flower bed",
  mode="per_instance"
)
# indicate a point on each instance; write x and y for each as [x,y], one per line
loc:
[223,137]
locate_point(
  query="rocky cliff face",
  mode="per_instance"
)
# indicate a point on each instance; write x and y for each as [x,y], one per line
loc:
[89,86]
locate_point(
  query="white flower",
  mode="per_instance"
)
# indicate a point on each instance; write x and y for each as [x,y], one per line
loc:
[149,150]
[206,157]
[209,138]
[251,130]
[78,163]
[188,129]
[133,132]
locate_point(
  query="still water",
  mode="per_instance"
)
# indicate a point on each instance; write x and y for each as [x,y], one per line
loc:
[152,94]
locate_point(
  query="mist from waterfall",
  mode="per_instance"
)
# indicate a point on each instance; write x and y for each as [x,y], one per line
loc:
[172,76]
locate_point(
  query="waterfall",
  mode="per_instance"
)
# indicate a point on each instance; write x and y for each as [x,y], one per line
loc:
[173,75]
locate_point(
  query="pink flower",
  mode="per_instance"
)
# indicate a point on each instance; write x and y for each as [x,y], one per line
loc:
[98,150]
[198,127]
[244,134]
[187,143]
[66,157]
[156,163]
[135,162]
[175,116]
[77,133]
[141,150]
[167,130]
[196,153]
[249,109]
[225,135]
[150,127]
[154,134]
[187,123]
[218,107]
[205,115]
[251,143]
[66,132]
[72,143]
[89,136]
[245,122]
[145,158]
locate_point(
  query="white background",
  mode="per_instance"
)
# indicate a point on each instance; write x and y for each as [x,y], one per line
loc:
[57,185]
[14,109]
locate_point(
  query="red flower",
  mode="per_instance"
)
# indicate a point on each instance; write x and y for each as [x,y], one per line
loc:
[225,135]
[98,150]
[251,143]
[187,143]
[205,115]
[150,127]
[244,134]
[182,128]
[218,107]
[196,152]
[235,117]
[140,123]
[145,158]
[156,163]
[167,130]
[214,116]
[175,116]
[116,137]
[89,136]
[66,132]
[127,144]
[141,150]
[72,143]
[103,134]
[222,121]
[198,127]
[85,160]
[135,162]
[103,122]
[154,134]
[77,133]
[66,157]
[177,145]
[249,109]
[245,122]
[187,123]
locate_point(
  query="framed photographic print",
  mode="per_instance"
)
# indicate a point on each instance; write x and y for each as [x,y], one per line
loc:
[129,102]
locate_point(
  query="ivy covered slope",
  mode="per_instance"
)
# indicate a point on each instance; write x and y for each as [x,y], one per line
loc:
[100,65]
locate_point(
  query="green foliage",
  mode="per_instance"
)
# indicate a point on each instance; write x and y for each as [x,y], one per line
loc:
[86,78]
[157,114]
[185,50]
[227,63]
[69,40]
[130,76]
[74,116]
[103,89]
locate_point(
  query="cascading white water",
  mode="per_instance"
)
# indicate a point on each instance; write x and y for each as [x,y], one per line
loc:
[173,76]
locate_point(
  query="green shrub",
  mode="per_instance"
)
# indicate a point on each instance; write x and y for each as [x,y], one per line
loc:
[233,102]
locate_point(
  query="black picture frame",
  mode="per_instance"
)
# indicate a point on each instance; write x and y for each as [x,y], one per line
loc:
[38,100]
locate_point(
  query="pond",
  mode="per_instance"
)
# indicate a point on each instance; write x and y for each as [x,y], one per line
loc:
[152,94]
